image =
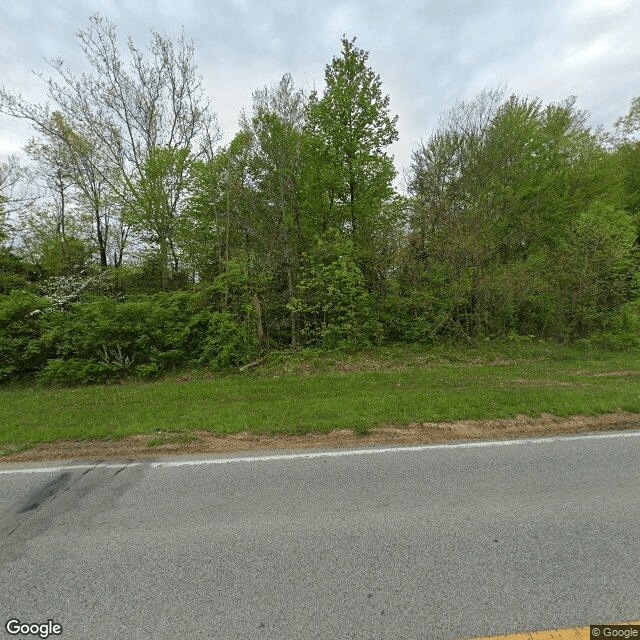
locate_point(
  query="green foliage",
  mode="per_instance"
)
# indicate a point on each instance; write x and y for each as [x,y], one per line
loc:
[3,223]
[520,221]
[522,203]
[148,371]
[100,338]
[61,257]
[156,200]
[630,124]
[349,128]
[423,305]
[21,353]
[204,227]
[72,372]
[228,344]
[545,167]
[234,286]
[15,273]
[599,263]
[121,334]
[334,307]
[516,298]
[622,329]
[627,157]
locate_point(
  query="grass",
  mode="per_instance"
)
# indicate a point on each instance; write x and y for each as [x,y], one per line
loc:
[7,451]
[302,392]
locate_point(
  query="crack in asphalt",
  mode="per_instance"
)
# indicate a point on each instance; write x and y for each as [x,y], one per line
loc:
[32,515]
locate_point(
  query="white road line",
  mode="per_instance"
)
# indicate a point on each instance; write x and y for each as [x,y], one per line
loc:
[68,468]
[333,453]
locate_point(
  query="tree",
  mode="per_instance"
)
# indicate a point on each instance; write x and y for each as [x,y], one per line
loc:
[95,182]
[219,218]
[275,130]
[497,191]
[350,126]
[629,124]
[203,233]
[127,109]
[626,154]
[545,166]
[10,174]
[156,202]
[334,306]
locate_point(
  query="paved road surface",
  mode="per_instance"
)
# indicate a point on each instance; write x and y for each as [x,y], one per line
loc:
[432,542]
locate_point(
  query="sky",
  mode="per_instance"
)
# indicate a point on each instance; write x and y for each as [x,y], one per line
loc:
[428,53]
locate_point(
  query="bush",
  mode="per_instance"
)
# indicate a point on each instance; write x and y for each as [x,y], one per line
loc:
[74,371]
[229,344]
[596,266]
[622,331]
[15,273]
[334,307]
[420,306]
[123,334]
[148,371]
[101,339]
[21,350]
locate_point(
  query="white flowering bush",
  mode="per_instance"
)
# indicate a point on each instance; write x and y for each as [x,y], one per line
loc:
[63,291]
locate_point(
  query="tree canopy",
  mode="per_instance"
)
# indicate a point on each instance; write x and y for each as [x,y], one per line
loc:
[518,219]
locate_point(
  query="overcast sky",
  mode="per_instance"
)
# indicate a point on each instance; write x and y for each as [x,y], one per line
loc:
[428,53]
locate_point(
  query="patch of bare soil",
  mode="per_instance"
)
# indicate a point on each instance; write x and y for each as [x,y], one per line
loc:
[544,383]
[135,447]
[616,373]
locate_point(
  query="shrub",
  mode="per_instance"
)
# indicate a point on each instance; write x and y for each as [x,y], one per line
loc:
[622,331]
[420,306]
[74,371]
[122,334]
[334,307]
[229,344]
[148,371]
[21,350]
[596,266]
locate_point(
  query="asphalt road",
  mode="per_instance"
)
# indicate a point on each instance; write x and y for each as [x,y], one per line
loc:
[434,542]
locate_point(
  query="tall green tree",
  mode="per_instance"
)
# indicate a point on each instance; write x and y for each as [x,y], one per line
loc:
[219,216]
[52,232]
[156,203]
[204,232]
[76,173]
[351,127]
[98,184]
[275,129]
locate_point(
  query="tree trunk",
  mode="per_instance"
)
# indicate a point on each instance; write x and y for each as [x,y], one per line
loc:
[259,327]
[294,330]
[102,244]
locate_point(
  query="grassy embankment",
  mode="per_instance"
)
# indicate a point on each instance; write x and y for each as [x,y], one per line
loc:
[299,394]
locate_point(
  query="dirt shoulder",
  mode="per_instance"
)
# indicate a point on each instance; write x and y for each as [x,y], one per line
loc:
[136,447]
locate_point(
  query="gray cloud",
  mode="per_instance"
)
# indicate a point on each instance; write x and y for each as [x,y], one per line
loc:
[428,53]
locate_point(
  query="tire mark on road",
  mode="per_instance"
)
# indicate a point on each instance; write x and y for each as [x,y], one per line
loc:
[81,496]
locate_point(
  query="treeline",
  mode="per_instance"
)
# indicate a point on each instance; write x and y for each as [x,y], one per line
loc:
[134,243]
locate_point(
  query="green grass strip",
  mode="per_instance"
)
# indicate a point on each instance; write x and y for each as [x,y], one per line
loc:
[275,401]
